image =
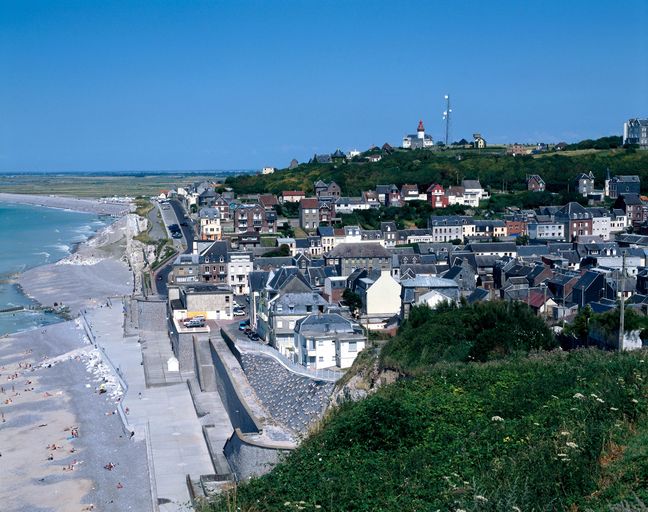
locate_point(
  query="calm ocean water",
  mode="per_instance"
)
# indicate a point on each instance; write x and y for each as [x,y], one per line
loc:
[32,236]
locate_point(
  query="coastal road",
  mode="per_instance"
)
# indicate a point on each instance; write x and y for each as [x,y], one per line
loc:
[174,215]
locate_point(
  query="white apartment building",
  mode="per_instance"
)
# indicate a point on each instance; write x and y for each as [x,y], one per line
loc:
[239,266]
[548,231]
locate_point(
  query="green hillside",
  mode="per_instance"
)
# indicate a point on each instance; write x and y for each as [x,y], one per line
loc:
[495,171]
[545,431]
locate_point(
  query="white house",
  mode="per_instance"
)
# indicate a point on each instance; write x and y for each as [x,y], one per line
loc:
[432,299]
[239,266]
[327,340]
[268,170]
[380,297]
[473,193]
[350,204]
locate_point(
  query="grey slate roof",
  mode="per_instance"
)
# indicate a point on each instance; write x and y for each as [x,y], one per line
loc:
[359,250]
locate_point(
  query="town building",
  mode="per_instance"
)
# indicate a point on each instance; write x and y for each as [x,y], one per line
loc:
[535,183]
[470,193]
[436,196]
[211,302]
[323,189]
[327,340]
[286,297]
[623,185]
[635,131]
[409,192]
[347,257]
[239,266]
[209,227]
[292,196]
[380,294]
[584,183]
[253,218]
[309,215]
[478,141]
[419,140]
[576,219]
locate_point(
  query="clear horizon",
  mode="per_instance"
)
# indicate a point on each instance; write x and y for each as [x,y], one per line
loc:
[189,86]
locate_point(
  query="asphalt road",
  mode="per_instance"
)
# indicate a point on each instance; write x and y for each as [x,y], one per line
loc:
[174,215]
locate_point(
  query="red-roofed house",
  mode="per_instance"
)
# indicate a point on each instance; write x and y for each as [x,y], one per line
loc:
[540,301]
[309,213]
[268,200]
[292,196]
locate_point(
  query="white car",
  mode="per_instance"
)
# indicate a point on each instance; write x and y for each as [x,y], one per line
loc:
[238,312]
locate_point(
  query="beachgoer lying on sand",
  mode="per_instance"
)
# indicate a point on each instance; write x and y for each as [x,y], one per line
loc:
[109,466]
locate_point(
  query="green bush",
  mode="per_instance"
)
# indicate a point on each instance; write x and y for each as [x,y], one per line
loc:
[546,433]
[477,332]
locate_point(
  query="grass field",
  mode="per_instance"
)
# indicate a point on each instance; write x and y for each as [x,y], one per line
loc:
[81,185]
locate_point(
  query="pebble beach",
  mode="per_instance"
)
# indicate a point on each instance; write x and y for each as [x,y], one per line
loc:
[63,445]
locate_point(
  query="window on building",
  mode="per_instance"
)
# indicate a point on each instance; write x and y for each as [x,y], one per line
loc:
[321,359]
[353,346]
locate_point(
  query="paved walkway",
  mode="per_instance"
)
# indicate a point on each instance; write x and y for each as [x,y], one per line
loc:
[177,444]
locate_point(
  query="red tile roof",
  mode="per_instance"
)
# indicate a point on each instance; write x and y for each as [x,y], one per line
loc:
[309,202]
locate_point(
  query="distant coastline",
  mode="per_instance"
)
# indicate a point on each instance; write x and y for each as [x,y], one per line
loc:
[68,203]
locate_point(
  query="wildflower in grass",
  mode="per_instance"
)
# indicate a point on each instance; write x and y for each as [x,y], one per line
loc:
[634,401]
[481,498]
[516,509]
[287,504]
[593,395]
[536,424]
[562,455]
[555,397]
[507,439]
[497,418]
[564,433]
[579,396]
[565,460]
[571,444]
[613,409]
[600,400]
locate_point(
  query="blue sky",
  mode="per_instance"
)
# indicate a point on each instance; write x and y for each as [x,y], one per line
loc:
[108,85]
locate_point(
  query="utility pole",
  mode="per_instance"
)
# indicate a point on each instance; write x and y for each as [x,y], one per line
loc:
[622,306]
[446,117]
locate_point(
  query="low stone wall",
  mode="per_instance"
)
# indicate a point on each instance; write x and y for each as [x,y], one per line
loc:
[183,348]
[248,457]
[240,415]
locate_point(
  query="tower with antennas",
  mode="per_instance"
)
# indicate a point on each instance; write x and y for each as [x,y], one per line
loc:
[446,118]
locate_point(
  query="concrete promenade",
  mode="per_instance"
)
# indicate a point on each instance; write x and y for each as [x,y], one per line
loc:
[177,445]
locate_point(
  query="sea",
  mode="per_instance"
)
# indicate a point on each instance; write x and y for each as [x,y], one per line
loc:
[31,236]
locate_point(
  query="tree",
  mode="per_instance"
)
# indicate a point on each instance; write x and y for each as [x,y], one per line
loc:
[522,240]
[353,300]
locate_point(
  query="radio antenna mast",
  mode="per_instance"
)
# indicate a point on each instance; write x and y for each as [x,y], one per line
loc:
[446,117]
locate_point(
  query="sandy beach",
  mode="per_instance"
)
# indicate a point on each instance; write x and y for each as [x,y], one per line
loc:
[63,445]
[100,207]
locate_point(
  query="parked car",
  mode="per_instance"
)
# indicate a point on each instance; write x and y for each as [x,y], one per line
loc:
[244,325]
[238,312]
